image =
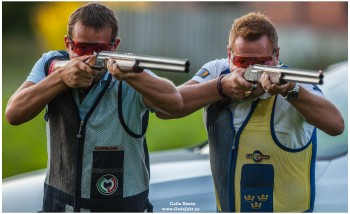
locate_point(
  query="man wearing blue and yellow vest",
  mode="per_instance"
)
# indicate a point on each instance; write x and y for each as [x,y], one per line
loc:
[262,142]
[96,121]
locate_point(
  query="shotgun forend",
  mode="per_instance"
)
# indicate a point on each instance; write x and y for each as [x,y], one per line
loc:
[281,75]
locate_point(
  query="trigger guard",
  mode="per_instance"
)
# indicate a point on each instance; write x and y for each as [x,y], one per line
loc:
[254,86]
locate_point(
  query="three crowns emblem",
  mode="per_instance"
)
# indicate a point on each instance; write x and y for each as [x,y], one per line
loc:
[256,205]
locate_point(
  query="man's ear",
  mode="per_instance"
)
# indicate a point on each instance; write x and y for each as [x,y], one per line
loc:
[116,43]
[66,42]
[277,53]
[229,53]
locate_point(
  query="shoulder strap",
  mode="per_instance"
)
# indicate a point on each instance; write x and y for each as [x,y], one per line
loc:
[227,71]
[121,117]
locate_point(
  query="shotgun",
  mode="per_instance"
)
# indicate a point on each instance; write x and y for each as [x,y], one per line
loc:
[128,62]
[281,75]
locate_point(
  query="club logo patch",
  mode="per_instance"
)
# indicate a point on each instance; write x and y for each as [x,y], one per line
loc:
[257,156]
[107,184]
[203,73]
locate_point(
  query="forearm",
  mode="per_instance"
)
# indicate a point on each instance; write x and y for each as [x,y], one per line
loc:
[319,112]
[30,99]
[158,93]
[195,96]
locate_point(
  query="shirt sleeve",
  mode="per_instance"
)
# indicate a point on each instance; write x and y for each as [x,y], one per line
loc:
[133,108]
[292,111]
[286,115]
[211,70]
[313,89]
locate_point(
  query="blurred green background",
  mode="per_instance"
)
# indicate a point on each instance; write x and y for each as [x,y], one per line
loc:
[29,29]
[312,35]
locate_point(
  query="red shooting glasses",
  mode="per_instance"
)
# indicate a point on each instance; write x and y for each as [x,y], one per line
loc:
[85,48]
[245,62]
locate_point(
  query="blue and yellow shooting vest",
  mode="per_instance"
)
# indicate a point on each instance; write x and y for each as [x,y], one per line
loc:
[252,170]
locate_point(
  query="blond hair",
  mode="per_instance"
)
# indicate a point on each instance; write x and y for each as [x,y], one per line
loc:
[252,27]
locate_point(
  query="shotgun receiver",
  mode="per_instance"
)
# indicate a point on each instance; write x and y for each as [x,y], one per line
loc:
[128,62]
[281,75]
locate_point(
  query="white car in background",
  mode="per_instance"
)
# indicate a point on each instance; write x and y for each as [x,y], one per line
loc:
[181,179]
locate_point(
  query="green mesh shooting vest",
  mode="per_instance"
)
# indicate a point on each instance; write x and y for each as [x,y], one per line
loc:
[96,164]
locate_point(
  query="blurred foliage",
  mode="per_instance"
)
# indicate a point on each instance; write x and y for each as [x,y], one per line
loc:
[50,22]
[49,19]
[15,19]
[24,146]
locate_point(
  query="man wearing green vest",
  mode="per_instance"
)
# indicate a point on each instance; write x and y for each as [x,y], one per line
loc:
[96,121]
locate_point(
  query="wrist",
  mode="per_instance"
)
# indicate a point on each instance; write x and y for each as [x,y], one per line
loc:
[219,87]
[293,93]
[59,77]
[284,92]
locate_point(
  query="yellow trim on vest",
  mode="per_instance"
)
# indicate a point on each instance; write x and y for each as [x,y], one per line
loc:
[292,191]
[218,205]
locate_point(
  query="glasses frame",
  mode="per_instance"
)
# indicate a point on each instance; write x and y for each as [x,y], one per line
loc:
[74,43]
[252,59]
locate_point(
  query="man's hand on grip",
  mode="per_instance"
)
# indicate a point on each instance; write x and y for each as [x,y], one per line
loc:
[77,73]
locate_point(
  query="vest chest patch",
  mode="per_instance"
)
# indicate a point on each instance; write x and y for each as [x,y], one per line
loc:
[257,156]
[107,184]
[250,198]
[256,204]
[257,182]
[107,179]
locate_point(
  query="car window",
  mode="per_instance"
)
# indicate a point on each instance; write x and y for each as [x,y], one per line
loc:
[335,89]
